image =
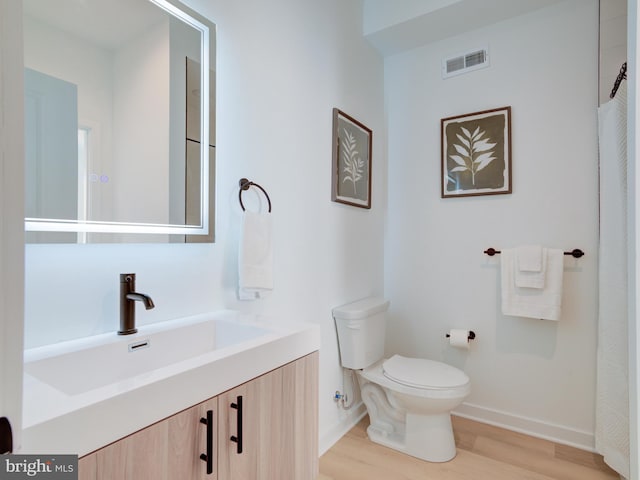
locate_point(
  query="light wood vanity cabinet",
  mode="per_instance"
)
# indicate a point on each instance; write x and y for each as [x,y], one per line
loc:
[278,435]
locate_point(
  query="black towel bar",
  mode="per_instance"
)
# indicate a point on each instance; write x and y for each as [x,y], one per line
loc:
[575,253]
[245,185]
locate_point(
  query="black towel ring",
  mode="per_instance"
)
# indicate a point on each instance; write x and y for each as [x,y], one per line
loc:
[245,185]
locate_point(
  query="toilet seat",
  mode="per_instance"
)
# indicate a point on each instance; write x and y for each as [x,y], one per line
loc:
[375,373]
[423,374]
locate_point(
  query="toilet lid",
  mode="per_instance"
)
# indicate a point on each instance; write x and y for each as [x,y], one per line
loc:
[423,373]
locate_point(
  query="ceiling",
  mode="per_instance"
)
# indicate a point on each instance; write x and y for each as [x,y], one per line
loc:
[393,27]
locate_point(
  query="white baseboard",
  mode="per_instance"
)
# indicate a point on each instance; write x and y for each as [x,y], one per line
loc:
[517,423]
[529,426]
[329,436]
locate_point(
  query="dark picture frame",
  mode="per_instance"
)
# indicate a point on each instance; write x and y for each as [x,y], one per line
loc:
[476,153]
[351,161]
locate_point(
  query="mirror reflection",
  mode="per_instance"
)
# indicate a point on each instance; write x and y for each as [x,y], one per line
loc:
[115,135]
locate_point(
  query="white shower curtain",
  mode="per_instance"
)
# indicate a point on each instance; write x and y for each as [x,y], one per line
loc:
[612,399]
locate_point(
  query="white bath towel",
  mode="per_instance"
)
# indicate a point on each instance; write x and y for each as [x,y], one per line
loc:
[531,266]
[544,303]
[255,256]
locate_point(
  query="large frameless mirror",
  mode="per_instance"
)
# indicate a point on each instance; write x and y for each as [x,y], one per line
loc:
[119,121]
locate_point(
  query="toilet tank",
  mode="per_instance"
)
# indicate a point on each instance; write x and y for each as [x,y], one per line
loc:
[361,331]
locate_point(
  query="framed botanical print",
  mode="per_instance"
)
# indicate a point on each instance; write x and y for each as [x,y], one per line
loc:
[476,153]
[351,170]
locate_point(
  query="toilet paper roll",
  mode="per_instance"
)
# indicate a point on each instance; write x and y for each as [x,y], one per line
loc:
[459,338]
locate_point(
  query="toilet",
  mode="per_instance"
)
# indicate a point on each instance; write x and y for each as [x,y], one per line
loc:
[409,400]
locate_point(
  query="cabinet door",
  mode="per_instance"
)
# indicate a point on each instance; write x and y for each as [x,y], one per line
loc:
[279,425]
[87,466]
[141,455]
[188,440]
[302,406]
[290,429]
[238,458]
[166,450]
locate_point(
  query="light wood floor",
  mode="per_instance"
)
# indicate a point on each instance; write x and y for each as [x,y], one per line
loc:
[484,453]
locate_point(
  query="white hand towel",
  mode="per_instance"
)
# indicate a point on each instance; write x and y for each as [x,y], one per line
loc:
[529,258]
[531,266]
[255,256]
[544,303]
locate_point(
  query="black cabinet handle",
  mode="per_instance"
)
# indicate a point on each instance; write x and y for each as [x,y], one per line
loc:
[208,457]
[6,436]
[238,438]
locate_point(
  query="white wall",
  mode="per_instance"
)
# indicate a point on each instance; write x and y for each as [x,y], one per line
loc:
[282,66]
[533,375]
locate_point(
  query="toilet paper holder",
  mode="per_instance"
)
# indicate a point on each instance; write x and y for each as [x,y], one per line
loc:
[471,336]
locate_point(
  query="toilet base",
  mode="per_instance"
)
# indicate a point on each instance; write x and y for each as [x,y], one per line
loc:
[410,424]
[430,437]
[427,437]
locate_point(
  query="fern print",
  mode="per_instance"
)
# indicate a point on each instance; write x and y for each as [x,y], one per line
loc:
[353,165]
[474,152]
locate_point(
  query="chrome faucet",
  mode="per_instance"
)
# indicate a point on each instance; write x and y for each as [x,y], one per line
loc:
[128,297]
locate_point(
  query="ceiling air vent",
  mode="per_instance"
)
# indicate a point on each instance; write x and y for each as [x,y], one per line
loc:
[466,62]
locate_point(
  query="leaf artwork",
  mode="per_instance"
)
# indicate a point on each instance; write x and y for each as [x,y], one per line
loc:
[474,152]
[353,165]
